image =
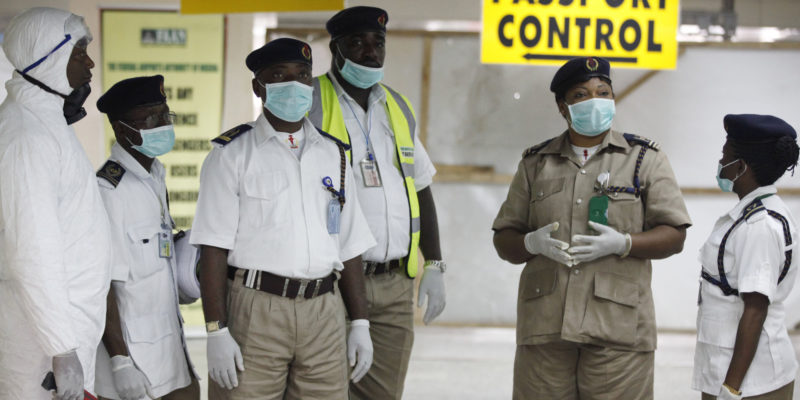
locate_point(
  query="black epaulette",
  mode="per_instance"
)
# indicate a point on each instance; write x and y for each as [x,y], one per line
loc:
[636,139]
[753,209]
[535,149]
[112,172]
[231,134]
[336,140]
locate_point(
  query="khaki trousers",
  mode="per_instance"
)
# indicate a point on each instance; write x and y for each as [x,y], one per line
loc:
[292,348]
[569,371]
[784,393]
[391,327]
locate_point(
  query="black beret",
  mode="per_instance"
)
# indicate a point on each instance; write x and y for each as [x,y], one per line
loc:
[579,70]
[279,51]
[133,92]
[757,128]
[357,19]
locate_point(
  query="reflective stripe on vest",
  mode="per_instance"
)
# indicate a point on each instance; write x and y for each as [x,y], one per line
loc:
[326,114]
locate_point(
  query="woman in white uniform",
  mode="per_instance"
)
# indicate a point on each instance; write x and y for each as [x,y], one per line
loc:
[749,268]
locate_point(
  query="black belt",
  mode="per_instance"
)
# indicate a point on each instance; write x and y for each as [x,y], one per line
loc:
[377,268]
[281,286]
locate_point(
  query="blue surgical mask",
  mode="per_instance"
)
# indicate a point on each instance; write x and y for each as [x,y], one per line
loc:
[155,142]
[592,117]
[289,101]
[726,184]
[359,75]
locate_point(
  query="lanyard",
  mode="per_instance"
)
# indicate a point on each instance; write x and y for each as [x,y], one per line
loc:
[364,133]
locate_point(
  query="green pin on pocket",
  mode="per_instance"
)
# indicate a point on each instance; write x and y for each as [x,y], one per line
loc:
[598,209]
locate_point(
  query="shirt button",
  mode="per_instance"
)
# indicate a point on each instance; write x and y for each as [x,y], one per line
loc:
[541,194]
[537,290]
[583,172]
[616,194]
[579,201]
[577,272]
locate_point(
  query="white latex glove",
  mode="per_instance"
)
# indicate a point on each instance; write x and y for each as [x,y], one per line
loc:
[131,384]
[359,349]
[69,376]
[609,241]
[432,287]
[224,357]
[540,242]
[725,394]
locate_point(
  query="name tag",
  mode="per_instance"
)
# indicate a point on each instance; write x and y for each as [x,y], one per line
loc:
[334,216]
[370,173]
[164,245]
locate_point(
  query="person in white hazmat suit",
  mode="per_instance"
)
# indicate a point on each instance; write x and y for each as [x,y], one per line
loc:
[54,231]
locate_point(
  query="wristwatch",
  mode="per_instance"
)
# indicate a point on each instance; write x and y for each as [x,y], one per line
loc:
[213,326]
[438,264]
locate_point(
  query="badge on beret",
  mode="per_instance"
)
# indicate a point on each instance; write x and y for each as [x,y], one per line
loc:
[592,64]
[382,20]
[306,51]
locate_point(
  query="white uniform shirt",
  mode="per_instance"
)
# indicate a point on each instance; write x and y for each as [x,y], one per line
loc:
[144,283]
[270,209]
[386,207]
[753,259]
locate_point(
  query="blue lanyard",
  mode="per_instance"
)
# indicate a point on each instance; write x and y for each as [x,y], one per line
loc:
[364,133]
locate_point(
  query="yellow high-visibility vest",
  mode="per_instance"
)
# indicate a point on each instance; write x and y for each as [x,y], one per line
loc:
[326,114]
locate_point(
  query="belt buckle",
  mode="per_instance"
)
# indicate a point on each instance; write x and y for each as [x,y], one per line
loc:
[301,291]
[317,285]
[370,267]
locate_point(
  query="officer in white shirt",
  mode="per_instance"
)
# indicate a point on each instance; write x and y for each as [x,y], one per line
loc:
[749,268]
[277,220]
[393,175]
[144,329]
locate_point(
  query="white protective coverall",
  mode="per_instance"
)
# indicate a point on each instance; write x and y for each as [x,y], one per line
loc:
[54,232]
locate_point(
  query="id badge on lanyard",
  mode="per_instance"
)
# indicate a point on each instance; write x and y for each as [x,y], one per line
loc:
[370,172]
[165,242]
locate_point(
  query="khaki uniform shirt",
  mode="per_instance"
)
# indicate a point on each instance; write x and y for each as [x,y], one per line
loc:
[607,301]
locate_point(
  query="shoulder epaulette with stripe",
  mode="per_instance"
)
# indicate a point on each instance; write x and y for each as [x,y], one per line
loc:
[231,134]
[337,141]
[636,139]
[112,172]
[535,149]
[753,209]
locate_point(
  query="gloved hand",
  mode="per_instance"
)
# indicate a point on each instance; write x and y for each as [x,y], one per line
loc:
[540,242]
[68,372]
[131,384]
[609,241]
[725,394]
[359,348]
[432,287]
[224,357]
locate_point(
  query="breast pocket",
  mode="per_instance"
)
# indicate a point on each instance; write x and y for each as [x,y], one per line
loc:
[266,199]
[625,212]
[144,249]
[545,200]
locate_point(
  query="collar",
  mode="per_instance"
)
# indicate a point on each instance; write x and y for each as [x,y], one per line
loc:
[736,212]
[376,94]
[561,144]
[131,165]
[265,132]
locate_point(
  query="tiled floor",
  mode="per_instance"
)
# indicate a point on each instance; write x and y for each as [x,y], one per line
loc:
[467,363]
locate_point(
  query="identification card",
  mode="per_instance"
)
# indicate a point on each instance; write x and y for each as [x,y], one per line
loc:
[334,214]
[164,245]
[598,209]
[370,173]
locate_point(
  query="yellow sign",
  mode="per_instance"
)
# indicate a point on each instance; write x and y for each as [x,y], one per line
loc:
[188,52]
[244,6]
[628,33]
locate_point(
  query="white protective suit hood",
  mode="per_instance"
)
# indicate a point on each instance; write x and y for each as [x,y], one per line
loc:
[39,42]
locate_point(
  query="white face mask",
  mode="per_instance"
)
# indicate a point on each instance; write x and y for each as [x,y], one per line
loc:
[592,117]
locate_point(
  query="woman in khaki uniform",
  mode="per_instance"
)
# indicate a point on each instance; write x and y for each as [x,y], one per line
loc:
[586,212]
